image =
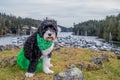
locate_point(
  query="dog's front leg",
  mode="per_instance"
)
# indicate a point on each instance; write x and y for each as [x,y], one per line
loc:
[31,68]
[46,65]
[49,64]
[49,58]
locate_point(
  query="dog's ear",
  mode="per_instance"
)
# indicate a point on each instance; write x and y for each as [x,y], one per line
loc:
[41,27]
[40,30]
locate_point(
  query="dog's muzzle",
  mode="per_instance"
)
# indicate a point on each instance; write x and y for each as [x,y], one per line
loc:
[49,38]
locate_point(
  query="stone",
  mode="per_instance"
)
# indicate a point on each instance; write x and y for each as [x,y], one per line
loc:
[57,48]
[71,74]
[105,57]
[91,67]
[97,61]
[106,72]
[117,53]
[118,56]
[96,64]
[82,65]
[16,47]
[70,66]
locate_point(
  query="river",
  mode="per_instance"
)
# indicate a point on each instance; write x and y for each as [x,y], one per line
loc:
[9,40]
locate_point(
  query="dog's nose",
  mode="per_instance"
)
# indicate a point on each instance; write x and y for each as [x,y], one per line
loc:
[49,34]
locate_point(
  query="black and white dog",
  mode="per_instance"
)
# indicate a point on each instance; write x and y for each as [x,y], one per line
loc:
[47,30]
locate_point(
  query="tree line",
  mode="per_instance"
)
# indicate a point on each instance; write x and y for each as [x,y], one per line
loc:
[65,29]
[101,28]
[10,24]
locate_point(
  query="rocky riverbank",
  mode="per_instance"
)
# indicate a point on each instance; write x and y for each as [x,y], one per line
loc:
[78,42]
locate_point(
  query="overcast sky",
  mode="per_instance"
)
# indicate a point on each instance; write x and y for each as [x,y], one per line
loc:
[66,12]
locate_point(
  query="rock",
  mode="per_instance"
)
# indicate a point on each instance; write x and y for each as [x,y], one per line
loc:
[96,64]
[70,66]
[91,67]
[117,53]
[107,72]
[81,42]
[82,65]
[16,47]
[105,57]
[57,48]
[71,74]
[118,56]
[97,61]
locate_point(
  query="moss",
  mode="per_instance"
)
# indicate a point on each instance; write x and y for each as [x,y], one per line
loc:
[62,58]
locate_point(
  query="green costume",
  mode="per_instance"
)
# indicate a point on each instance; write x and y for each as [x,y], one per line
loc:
[23,62]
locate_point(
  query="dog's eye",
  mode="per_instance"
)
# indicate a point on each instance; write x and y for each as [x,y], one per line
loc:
[54,28]
[45,28]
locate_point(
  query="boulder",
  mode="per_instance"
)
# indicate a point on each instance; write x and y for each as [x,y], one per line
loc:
[57,48]
[105,57]
[106,72]
[71,74]
[118,56]
[96,64]
[117,52]
[97,61]
[82,65]
[91,67]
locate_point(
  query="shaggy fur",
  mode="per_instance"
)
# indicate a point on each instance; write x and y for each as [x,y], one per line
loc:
[32,51]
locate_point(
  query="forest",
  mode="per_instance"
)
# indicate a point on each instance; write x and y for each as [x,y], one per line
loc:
[10,24]
[101,28]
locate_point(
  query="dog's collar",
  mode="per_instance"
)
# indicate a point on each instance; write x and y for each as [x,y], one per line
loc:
[42,43]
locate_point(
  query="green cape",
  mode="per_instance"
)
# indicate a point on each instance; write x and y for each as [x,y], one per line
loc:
[23,62]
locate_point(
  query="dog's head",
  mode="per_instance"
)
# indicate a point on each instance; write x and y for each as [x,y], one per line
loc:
[48,30]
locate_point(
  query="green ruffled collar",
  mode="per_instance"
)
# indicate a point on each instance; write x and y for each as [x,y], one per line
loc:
[42,43]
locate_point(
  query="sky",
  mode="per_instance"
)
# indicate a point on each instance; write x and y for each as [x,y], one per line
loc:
[66,12]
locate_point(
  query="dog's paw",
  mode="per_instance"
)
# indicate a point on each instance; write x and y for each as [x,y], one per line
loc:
[48,71]
[27,74]
[50,65]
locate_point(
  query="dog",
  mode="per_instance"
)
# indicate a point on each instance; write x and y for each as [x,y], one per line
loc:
[47,31]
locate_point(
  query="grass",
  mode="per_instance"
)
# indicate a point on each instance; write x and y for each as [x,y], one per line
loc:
[60,59]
